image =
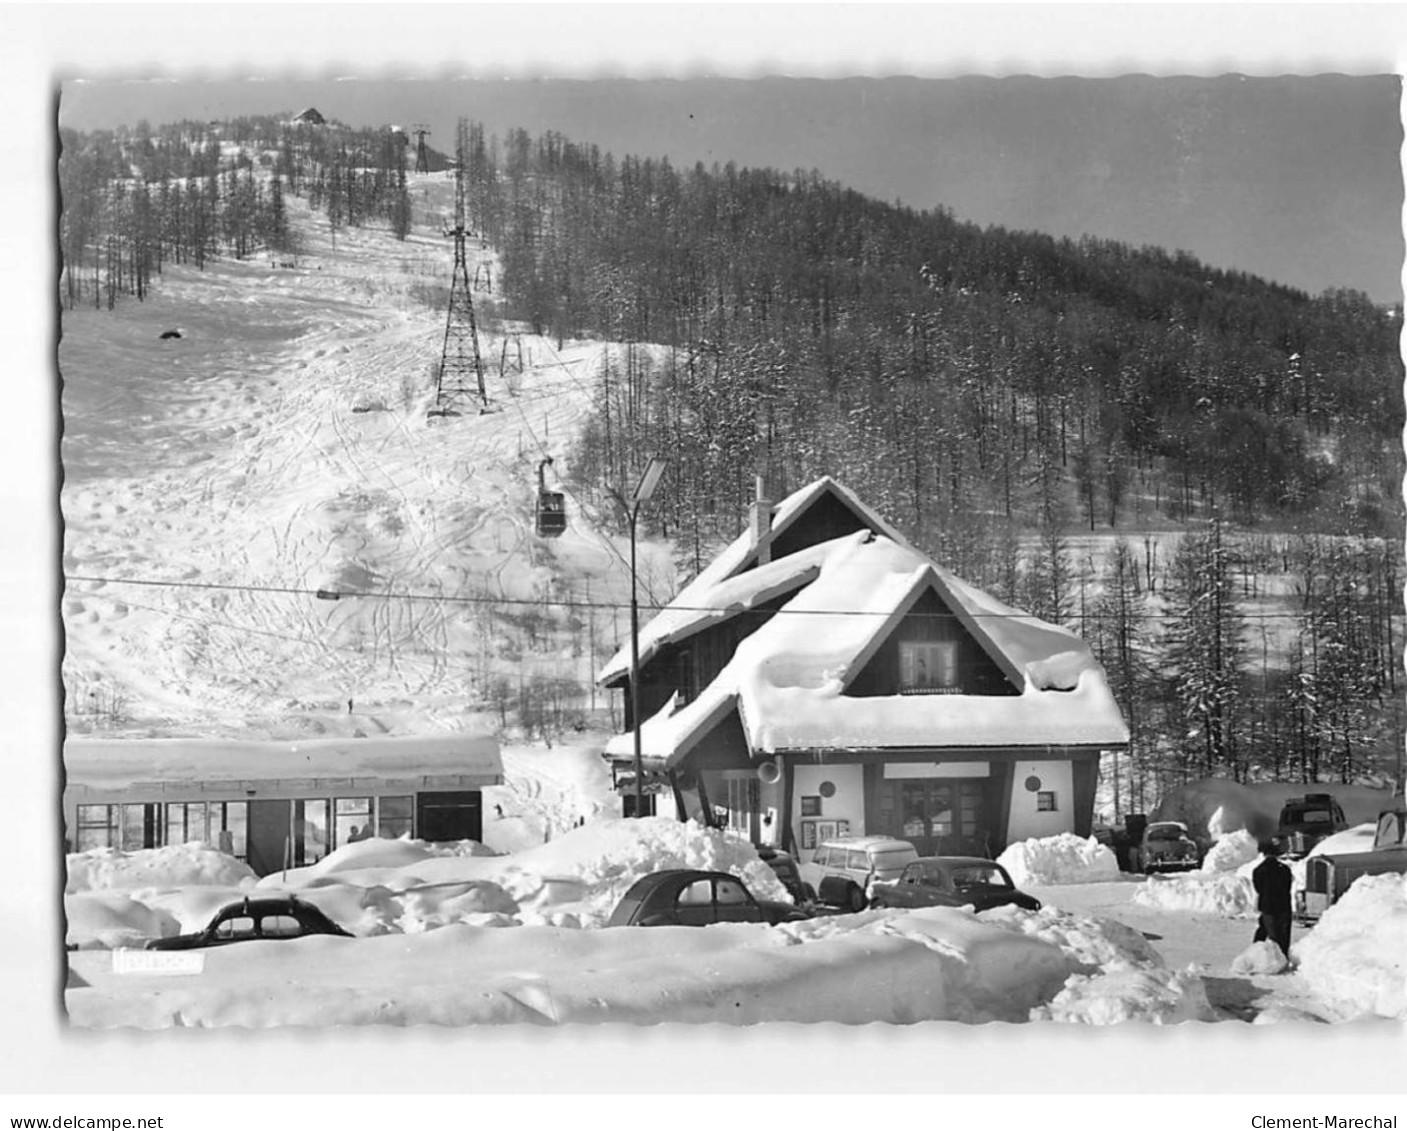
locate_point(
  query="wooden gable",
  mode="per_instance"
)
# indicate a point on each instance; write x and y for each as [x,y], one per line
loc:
[930,620]
[690,665]
[826,517]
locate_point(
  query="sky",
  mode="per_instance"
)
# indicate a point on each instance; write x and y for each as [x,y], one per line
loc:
[39,44]
[1296,179]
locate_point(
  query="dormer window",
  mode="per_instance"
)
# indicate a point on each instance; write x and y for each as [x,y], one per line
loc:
[928,667]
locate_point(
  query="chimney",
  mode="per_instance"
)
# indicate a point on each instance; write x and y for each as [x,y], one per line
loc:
[761,524]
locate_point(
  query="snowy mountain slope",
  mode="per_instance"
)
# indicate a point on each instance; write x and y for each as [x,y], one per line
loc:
[281,446]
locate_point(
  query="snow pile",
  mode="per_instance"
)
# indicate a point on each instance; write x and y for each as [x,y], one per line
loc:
[1063,859]
[1230,852]
[1227,894]
[1162,997]
[1093,942]
[1213,807]
[1356,956]
[577,878]
[1264,957]
[112,919]
[893,966]
[194,863]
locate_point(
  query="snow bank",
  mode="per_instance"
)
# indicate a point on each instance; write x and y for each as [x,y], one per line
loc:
[1063,859]
[1227,894]
[1213,807]
[1230,852]
[112,919]
[893,966]
[1162,997]
[194,863]
[1356,955]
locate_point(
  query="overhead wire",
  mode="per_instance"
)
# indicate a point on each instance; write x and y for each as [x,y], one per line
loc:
[572,603]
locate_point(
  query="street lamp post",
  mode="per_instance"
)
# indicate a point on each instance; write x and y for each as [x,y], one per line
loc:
[644,489]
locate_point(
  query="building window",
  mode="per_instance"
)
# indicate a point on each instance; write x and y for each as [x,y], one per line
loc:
[1045,801]
[928,667]
[393,816]
[353,820]
[229,825]
[310,831]
[185,822]
[97,827]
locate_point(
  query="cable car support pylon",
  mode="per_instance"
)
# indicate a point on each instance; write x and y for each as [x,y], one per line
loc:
[460,358]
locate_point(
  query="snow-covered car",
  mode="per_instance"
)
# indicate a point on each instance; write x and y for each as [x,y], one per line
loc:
[1328,875]
[687,897]
[951,881]
[273,917]
[842,870]
[1167,847]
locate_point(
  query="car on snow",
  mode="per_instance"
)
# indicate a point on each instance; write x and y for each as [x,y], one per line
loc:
[1167,847]
[688,897]
[1305,821]
[271,917]
[842,870]
[952,881]
[1328,875]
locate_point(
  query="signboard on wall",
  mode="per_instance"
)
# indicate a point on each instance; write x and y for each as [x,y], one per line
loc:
[937,769]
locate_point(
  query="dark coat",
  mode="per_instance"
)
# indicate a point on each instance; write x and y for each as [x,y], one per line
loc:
[1272,879]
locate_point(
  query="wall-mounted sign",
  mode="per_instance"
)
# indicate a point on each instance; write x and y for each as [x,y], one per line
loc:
[1033,784]
[826,789]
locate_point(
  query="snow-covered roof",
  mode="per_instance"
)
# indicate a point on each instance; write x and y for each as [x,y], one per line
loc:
[707,600]
[112,764]
[788,679]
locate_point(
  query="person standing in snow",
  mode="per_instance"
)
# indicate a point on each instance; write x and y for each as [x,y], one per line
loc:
[1272,880]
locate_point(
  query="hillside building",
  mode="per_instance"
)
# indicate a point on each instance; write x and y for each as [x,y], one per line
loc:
[822,676]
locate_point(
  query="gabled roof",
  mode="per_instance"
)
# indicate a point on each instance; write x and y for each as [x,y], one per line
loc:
[704,600]
[700,605]
[789,678]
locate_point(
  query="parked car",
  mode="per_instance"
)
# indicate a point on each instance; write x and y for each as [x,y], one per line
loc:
[269,917]
[1305,821]
[951,881]
[842,870]
[1167,847]
[1330,874]
[687,897]
[789,872]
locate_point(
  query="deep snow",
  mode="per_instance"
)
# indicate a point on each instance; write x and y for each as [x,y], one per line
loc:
[453,934]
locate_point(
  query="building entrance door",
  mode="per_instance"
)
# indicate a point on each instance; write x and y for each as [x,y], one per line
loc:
[940,817]
[269,830]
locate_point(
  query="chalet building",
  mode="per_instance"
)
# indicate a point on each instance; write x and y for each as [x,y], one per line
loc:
[821,676]
[311,117]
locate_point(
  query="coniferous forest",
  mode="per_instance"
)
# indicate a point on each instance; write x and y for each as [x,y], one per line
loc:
[997,394]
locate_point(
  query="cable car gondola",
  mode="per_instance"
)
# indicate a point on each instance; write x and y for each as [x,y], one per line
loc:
[551,506]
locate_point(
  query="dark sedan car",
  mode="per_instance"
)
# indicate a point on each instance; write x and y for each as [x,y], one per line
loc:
[684,897]
[952,881]
[272,917]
